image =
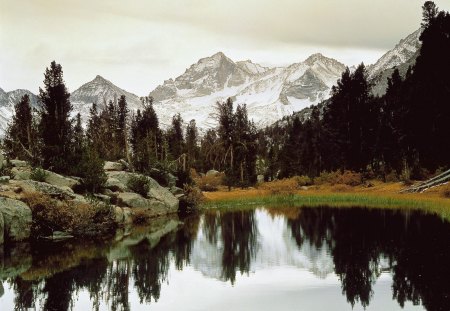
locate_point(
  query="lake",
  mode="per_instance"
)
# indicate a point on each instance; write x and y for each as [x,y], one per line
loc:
[252,259]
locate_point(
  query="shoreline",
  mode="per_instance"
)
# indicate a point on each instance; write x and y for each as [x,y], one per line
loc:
[379,195]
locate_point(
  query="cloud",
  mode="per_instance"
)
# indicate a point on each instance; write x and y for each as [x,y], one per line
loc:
[139,44]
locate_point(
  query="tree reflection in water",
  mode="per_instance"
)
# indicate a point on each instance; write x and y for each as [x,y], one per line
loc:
[414,247]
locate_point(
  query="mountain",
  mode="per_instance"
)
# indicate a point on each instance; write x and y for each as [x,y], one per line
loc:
[100,91]
[402,56]
[7,102]
[269,93]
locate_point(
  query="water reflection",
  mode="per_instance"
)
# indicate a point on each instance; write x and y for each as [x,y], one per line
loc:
[355,244]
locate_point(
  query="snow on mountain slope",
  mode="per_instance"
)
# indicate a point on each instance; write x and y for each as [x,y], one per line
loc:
[7,102]
[100,91]
[269,93]
[400,54]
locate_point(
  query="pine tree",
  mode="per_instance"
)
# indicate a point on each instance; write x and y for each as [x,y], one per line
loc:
[192,148]
[55,125]
[18,135]
[175,137]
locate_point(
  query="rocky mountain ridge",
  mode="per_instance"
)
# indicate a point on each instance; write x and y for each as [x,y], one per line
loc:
[269,93]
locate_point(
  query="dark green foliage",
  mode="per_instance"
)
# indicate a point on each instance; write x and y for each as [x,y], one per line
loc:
[139,184]
[90,169]
[38,174]
[234,149]
[21,140]
[55,125]
[192,147]
[175,138]
[146,137]
[402,134]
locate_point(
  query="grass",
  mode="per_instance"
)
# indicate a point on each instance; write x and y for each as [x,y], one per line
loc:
[380,195]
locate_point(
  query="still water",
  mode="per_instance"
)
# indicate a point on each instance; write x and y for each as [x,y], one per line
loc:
[259,259]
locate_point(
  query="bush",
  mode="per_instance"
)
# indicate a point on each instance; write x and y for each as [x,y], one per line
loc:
[327,178]
[210,183]
[6,170]
[303,181]
[446,191]
[90,169]
[139,184]
[80,219]
[349,178]
[281,186]
[392,177]
[38,174]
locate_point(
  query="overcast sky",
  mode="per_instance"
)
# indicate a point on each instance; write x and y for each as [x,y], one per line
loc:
[137,44]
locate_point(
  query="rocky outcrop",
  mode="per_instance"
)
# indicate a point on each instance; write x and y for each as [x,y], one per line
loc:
[113,166]
[157,197]
[16,219]
[60,181]
[57,192]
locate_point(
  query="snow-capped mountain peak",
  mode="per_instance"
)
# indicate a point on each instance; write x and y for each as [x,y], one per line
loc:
[401,53]
[100,91]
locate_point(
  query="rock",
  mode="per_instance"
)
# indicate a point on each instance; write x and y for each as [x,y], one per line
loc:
[124,164]
[21,173]
[156,196]
[102,197]
[212,173]
[114,184]
[19,163]
[132,199]
[175,191]
[51,190]
[171,180]
[260,178]
[113,166]
[122,215]
[60,181]
[17,219]
[4,179]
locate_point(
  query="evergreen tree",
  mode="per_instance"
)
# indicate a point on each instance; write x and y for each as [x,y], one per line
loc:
[192,148]
[21,139]
[55,125]
[175,137]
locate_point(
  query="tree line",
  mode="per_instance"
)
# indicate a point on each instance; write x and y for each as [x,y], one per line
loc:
[404,132]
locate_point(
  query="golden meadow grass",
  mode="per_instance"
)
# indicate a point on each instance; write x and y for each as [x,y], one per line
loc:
[380,195]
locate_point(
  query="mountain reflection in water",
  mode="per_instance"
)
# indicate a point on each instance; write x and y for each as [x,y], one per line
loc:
[355,245]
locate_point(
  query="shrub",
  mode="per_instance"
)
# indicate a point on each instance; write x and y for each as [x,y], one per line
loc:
[349,178]
[38,174]
[281,186]
[210,183]
[78,218]
[446,191]
[90,169]
[139,184]
[392,177]
[327,178]
[6,169]
[303,181]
